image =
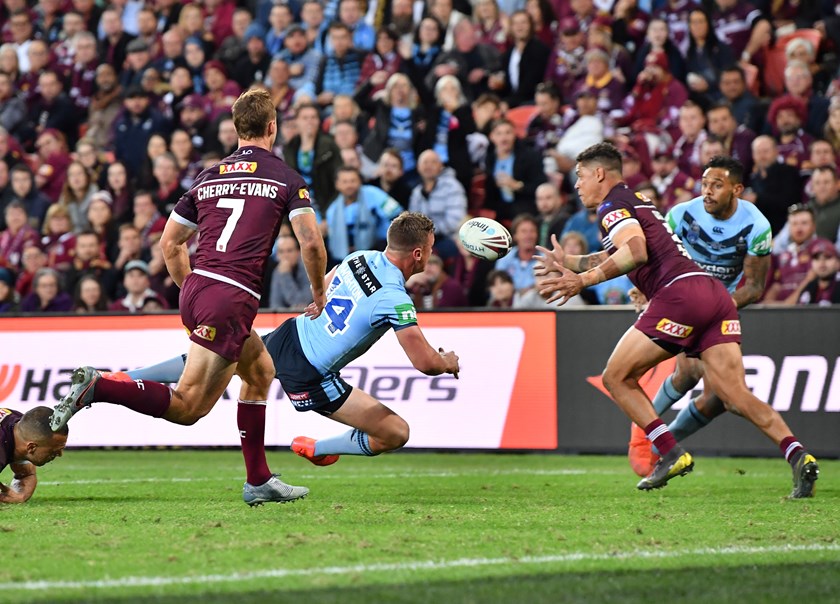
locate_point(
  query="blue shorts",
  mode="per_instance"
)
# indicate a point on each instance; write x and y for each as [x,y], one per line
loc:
[306,387]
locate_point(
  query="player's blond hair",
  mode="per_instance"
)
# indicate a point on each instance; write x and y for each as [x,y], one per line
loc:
[409,230]
[252,112]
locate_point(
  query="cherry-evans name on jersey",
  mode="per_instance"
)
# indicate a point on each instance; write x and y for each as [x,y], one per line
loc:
[240,188]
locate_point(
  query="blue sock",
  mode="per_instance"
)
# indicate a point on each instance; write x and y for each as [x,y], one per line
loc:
[666,397]
[166,372]
[352,442]
[688,421]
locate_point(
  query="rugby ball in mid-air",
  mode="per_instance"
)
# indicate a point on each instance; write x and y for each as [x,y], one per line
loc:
[485,238]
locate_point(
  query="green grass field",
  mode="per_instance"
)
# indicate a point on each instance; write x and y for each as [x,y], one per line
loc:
[171,526]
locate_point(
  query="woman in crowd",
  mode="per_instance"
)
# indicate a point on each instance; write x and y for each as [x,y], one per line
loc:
[428,42]
[101,221]
[76,194]
[89,296]
[381,64]
[58,240]
[154,148]
[544,20]
[705,59]
[121,192]
[491,25]
[47,295]
[188,160]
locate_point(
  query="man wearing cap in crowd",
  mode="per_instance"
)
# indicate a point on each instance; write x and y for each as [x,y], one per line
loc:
[252,65]
[221,92]
[138,59]
[786,116]
[137,288]
[824,288]
[672,184]
[193,113]
[134,128]
[565,63]
[609,91]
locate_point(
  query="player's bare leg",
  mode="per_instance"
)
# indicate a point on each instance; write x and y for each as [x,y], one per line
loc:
[205,378]
[724,374]
[634,355]
[376,429]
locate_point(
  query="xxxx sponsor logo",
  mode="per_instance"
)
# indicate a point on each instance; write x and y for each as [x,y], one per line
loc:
[9,376]
[672,328]
[730,328]
[613,217]
[239,166]
[205,332]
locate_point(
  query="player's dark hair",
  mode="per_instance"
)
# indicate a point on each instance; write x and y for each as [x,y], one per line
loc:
[252,112]
[409,231]
[35,425]
[605,154]
[730,164]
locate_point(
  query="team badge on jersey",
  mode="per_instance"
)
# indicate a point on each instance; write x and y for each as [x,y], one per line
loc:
[304,194]
[677,330]
[4,413]
[613,217]
[245,167]
[205,332]
[730,328]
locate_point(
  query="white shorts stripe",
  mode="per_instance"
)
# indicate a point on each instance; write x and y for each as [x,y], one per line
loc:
[223,279]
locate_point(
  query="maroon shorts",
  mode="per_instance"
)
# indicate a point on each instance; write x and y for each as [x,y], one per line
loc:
[691,315]
[218,316]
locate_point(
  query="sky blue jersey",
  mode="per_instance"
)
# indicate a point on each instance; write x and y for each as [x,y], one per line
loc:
[719,246]
[365,299]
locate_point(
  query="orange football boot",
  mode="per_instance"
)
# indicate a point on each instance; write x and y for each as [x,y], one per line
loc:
[305,447]
[640,452]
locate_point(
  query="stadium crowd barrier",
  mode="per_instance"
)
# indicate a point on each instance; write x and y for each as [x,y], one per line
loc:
[529,381]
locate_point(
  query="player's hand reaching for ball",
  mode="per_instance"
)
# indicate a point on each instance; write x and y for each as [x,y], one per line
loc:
[550,260]
[451,360]
[562,287]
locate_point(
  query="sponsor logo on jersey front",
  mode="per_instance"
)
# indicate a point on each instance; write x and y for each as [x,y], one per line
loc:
[613,217]
[364,276]
[205,332]
[672,328]
[730,328]
[244,167]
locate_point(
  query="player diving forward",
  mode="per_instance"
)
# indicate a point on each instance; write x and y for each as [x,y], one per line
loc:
[729,238]
[365,298]
[689,310]
[237,206]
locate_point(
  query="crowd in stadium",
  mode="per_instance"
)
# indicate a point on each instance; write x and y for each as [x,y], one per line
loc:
[448,107]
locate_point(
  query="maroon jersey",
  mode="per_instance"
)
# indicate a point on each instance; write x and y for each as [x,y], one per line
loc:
[734,26]
[667,258]
[8,421]
[237,206]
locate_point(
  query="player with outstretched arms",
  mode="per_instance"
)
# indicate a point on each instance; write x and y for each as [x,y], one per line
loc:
[731,240]
[237,206]
[689,310]
[366,297]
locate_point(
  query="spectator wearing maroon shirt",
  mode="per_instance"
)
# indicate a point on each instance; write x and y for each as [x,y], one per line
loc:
[72,23]
[81,76]
[546,127]
[672,185]
[602,82]
[218,19]
[38,54]
[12,107]
[90,12]
[433,288]
[221,92]
[737,139]
[656,98]
[691,123]
[824,288]
[382,63]
[47,294]
[89,297]
[54,160]
[792,265]
[786,116]
[566,64]
[147,219]
[32,260]
[58,240]
[741,26]
[799,83]
[169,191]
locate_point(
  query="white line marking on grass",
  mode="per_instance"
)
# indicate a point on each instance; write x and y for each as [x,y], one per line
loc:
[421,565]
[341,476]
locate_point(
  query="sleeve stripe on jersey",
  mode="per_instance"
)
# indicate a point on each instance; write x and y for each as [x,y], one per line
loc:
[300,211]
[181,220]
[622,224]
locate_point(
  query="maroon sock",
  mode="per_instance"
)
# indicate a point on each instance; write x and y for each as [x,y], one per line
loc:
[790,449]
[658,433]
[142,396]
[250,418]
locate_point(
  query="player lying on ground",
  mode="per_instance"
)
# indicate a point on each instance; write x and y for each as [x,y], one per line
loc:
[26,442]
[365,298]
[729,238]
[689,310]
[237,206]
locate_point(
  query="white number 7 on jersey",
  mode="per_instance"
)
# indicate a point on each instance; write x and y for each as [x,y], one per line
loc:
[237,205]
